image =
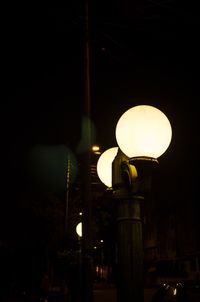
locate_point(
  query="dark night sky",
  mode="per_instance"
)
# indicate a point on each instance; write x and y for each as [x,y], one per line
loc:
[140,53]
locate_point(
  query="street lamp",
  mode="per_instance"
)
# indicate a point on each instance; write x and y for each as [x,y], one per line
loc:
[80,234]
[104,166]
[143,130]
[79,229]
[143,133]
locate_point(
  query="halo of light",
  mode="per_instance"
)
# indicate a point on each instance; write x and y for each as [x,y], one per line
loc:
[104,165]
[143,130]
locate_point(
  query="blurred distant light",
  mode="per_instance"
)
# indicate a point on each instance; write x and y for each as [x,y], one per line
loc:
[95,148]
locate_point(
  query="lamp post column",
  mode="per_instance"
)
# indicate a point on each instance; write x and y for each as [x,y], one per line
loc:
[130,285]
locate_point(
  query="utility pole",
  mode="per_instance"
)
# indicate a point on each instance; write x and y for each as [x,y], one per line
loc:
[67,195]
[87,268]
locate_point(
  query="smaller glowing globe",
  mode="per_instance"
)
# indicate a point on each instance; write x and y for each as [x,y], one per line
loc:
[143,130]
[104,166]
[79,229]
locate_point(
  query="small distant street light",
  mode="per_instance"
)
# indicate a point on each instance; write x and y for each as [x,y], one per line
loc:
[104,166]
[79,233]
[79,229]
[143,133]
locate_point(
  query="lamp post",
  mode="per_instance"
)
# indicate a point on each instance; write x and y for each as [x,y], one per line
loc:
[143,133]
[80,233]
[79,230]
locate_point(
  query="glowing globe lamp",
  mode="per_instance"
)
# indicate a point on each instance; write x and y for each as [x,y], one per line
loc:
[143,130]
[104,166]
[79,229]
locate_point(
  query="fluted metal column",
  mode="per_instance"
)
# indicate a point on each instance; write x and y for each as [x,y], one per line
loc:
[129,250]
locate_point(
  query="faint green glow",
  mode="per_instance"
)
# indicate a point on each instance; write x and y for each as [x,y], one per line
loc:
[48,167]
[88,135]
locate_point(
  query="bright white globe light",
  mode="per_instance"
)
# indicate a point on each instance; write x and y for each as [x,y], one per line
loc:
[143,130]
[104,166]
[79,229]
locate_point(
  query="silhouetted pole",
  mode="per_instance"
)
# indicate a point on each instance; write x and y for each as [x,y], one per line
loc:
[67,196]
[87,268]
